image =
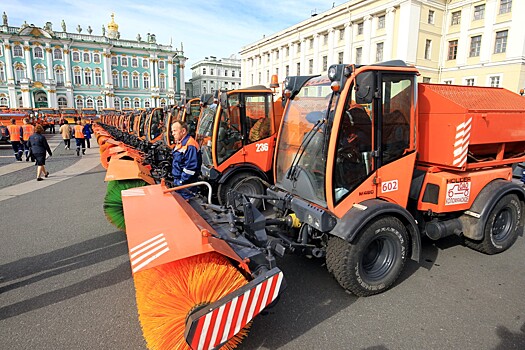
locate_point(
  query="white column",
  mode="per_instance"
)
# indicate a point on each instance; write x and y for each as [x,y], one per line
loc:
[10,76]
[182,88]
[331,38]
[107,70]
[304,69]
[49,62]
[282,73]
[170,75]
[317,67]
[367,33]
[68,84]
[347,53]
[29,66]
[390,30]
[152,60]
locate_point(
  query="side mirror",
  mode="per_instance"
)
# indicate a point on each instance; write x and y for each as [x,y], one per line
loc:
[224,101]
[365,87]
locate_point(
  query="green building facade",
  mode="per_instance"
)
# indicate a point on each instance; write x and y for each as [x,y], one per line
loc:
[43,67]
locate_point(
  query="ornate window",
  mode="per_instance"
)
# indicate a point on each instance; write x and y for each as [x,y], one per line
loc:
[2,73]
[117,103]
[96,57]
[124,61]
[145,81]
[77,76]
[115,79]
[125,80]
[85,57]
[88,77]
[136,103]
[98,77]
[89,103]
[17,51]
[162,82]
[59,76]
[135,80]
[162,64]
[62,102]
[38,52]
[20,73]
[3,101]
[127,103]
[40,74]
[147,103]
[100,103]
[145,63]
[79,102]
[57,54]
[75,56]
[114,60]
[134,62]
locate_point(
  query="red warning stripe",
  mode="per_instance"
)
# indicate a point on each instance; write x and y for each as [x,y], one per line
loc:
[217,326]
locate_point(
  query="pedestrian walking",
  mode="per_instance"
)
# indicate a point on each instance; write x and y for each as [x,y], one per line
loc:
[65,131]
[39,146]
[15,134]
[27,131]
[78,131]
[87,130]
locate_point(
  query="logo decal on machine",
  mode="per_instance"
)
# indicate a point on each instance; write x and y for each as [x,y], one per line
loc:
[461,143]
[458,191]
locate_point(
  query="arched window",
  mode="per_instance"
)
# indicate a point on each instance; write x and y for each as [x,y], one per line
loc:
[96,57]
[89,103]
[3,101]
[162,82]
[117,103]
[38,52]
[98,77]
[77,77]
[75,56]
[17,51]
[147,103]
[145,63]
[57,54]
[59,76]
[146,81]
[2,73]
[203,70]
[136,103]
[115,79]
[62,102]
[125,80]
[40,74]
[114,60]
[162,102]
[20,73]
[88,77]
[100,104]
[124,61]
[86,57]
[135,80]
[127,103]
[134,62]
[162,65]
[79,103]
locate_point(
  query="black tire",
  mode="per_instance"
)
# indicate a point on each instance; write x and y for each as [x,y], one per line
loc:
[242,182]
[374,261]
[501,229]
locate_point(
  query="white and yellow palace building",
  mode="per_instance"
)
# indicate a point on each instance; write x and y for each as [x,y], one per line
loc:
[46,67]
[462,42]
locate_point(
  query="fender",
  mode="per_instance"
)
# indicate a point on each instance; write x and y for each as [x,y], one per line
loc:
[474,220]
[229,172]
[355,220]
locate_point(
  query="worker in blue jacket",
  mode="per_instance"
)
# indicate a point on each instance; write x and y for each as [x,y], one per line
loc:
[187,158]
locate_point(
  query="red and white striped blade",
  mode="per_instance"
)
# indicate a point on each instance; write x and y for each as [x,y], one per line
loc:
[212,326]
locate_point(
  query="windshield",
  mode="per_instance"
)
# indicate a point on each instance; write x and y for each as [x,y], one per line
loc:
[69,111]
[303,143]
[204,133]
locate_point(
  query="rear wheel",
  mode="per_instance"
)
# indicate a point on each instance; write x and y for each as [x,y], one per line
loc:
[244,183]
[168,294]
[501,229]
[374,261]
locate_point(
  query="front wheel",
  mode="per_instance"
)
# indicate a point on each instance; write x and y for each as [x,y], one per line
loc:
[244,183]
[374,261]
[501,229]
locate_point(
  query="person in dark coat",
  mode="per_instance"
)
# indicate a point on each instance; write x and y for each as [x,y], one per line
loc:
[87,130]
[187,158]
[38,147]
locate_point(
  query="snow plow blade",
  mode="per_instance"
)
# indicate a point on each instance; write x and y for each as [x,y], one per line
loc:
[212,326]
[162,227]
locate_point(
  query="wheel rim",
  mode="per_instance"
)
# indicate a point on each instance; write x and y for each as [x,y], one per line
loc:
[378,259]
[501,227]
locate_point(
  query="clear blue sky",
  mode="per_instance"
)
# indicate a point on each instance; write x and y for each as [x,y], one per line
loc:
[205,27]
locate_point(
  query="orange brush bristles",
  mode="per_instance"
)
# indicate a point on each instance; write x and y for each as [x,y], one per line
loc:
[168,293]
